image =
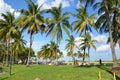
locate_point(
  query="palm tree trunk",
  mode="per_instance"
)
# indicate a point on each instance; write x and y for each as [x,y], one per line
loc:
[7,54]
[72,56]
[89,55]
[112,45]
[10,55]
[56,53]
[10,68]
[83,60]
[28,60]
[84,48]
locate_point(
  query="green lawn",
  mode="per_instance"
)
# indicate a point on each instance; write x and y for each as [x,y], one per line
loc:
[21,72]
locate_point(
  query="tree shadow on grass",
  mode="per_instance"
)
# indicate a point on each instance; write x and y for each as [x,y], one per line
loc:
[6,77]
[84,66]
[109,71]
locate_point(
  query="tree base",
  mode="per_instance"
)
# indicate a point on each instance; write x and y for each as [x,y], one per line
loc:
[27,65]
[116,70]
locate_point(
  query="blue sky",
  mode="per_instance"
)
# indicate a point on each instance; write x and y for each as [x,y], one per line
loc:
[103,49]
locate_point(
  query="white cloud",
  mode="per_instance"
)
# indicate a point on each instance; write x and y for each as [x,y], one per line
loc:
[36,45]
[4,7]
[101,38]
[48,4]
[17,14]
[101,43]
[104,47]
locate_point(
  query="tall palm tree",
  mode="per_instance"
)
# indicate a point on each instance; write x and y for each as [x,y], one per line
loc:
[116,18]
[32,20]
[70,46]
[83,24]
[104,23]
[83,47]
[57,24]
[90,43]
[8,30]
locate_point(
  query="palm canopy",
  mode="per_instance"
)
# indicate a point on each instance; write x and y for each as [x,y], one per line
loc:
[44,52]
[52,49]
[89,41]
[84,22]
[114,12]
[87,3]
[8,28]
[49,51]
[32,18]
[58,23]
[70,46]
[19,43]
[71,43]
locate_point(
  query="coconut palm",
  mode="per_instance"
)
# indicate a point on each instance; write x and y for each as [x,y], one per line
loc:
[104,23]
[90,43]
[83,24]
[8,30]
[83,46]
[18,44]
[70,46]
[32,20]
[52,50]
[57,24]
[48,51]
[116,18]
[44,52]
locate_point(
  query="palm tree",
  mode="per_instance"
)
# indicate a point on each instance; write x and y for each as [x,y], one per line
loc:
[8,30]
[18,44]
[32,20]
[56,24]
[116,27]
[48,51]
[83,47]
[52,50]
[44,52]
[70,46]
[84,23]
[104,23]
[90,43]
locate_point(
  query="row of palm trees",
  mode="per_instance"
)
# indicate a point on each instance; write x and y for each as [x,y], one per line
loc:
[33,21]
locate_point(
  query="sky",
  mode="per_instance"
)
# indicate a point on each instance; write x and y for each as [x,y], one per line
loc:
[103,50]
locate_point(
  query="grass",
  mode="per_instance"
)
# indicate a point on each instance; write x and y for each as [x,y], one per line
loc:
[21,72]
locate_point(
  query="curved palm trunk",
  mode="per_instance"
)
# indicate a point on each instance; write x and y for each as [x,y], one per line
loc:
[28,60]
[112,45]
